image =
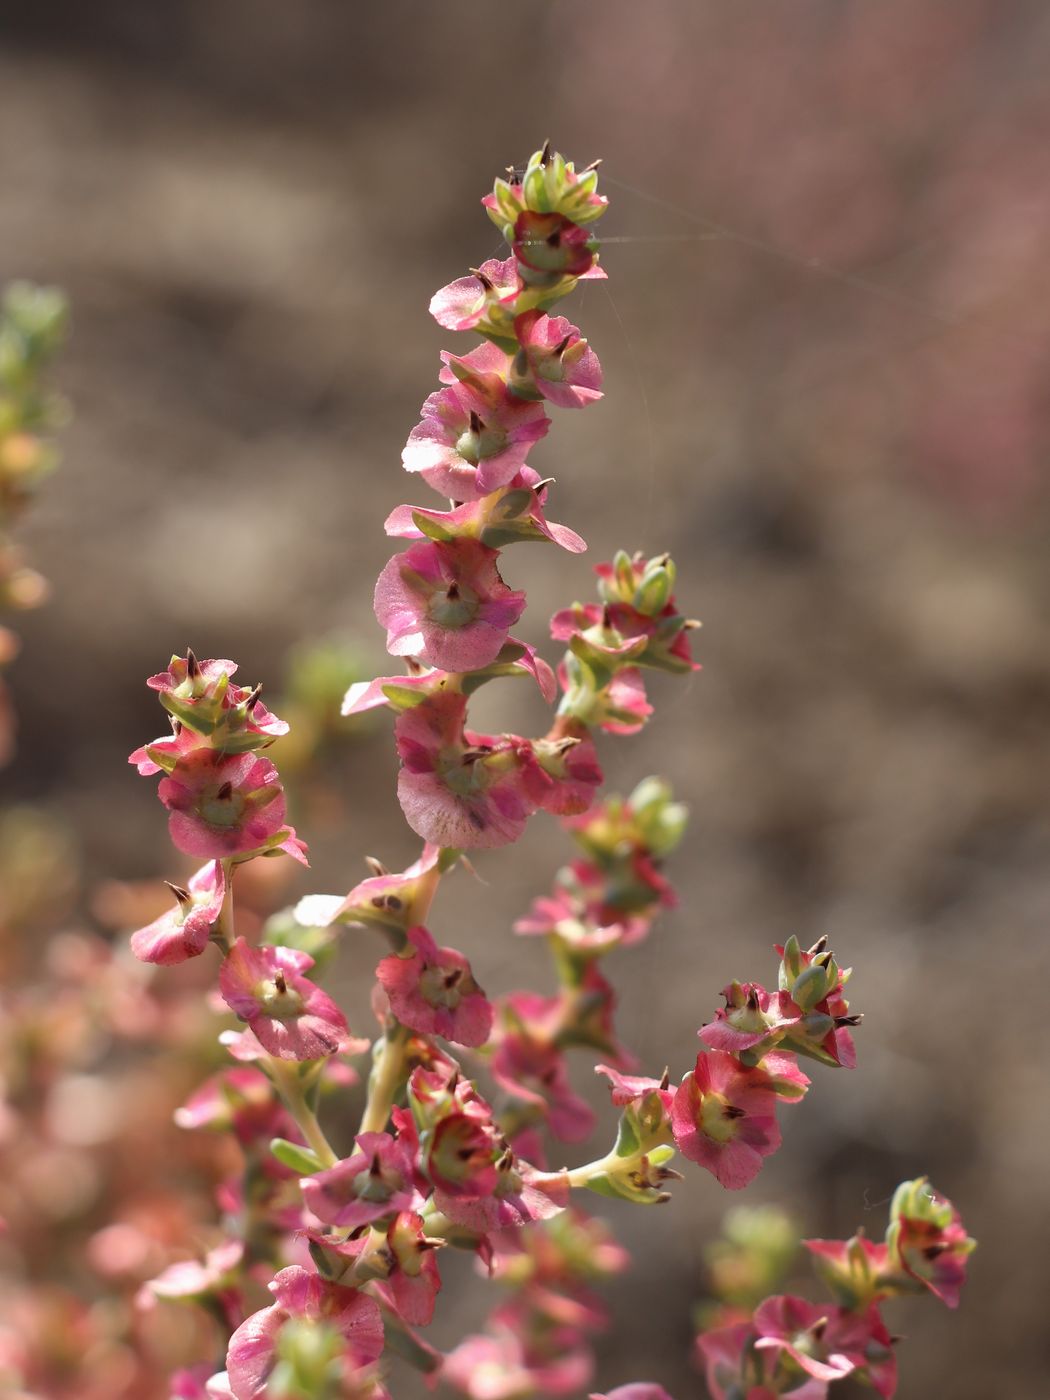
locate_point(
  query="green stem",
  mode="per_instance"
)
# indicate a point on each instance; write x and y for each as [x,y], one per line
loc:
[389,1067]
[386,1080]
[223,932]
[290,1087]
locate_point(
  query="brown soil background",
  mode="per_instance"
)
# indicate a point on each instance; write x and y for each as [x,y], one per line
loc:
[825,346]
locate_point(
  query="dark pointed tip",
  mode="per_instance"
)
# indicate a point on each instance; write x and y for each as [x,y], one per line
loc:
[476,421]
[192,664]
[546,152]
[183,896]
[485,282]
[253,698]
[819,946]
[665,1078]
[593,166]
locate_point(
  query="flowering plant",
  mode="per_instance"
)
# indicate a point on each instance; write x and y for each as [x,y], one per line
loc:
[330,1255]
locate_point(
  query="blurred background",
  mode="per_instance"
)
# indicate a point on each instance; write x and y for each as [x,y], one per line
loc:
[825,348]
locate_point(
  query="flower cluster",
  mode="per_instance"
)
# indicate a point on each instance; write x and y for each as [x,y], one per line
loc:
[792,1347]
[464,1094]
[33,323]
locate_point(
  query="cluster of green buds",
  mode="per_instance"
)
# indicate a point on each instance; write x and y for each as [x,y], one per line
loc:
[549,184]
[634,625]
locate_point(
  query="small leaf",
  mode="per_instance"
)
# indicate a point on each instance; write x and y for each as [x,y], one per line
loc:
[297,1158]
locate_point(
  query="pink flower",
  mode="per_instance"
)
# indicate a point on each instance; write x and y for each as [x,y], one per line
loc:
[753,1020]
[558,362]
[414,1281]
[385,900]
[828,1343]
[510,513]
[734,1370]
[373,1184]
[456,788]
[433,992]
[564,774]
[223,804]
[185,931]
[302,1295]
[552,246]
[444,604]
[927,1239]
[461,1156]
[471,302]
[724,1118]
[200,695]
[515,658]
[473,437]
[291,1017]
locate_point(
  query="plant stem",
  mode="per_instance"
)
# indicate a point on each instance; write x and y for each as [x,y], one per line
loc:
[290,1087]
[223,932]
[386,1080]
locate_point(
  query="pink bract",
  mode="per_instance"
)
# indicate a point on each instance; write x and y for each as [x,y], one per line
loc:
[472,438]
[724,1118]
[300,1294]
[222,805]
[445,605]
[551,244]
[291,1017]
[185,931]
[374,1183]
[466,302]
[456,788]
[564,368]
[433,992]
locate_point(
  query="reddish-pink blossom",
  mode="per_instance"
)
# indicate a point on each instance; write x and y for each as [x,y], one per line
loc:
[373,1184]
[562,775]
[724,1118]
[433,991]
[473,437]
[461,1156]
[414,1281]
[515,658]
[457,788]
[511,513]
[828,1343]
[551,245]
[444,604]
[734,1370]
[558,362]
[185,931]
[468,301]
[753,1019]
[300,1294]
[927,1239]
[291,1017]
[223,804]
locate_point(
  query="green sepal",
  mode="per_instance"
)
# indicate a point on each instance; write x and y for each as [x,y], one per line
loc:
[296,1157]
